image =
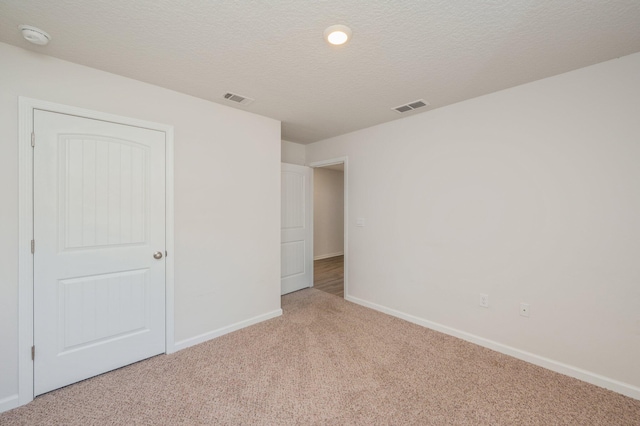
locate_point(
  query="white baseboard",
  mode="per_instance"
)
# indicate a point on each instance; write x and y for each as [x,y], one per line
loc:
[9,403]
[326,256]
[183,344]
[550,364]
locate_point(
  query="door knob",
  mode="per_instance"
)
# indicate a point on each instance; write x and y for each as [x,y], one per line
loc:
[157,255]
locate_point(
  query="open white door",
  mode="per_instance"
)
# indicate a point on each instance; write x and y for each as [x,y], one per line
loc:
[296,254]
[99,229]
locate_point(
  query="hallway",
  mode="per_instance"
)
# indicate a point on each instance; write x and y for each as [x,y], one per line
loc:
[328,275]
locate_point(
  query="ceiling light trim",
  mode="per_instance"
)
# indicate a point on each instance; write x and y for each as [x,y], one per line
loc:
[337,35]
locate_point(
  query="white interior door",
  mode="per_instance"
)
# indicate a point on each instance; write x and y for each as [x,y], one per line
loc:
[99,217]
[296,254]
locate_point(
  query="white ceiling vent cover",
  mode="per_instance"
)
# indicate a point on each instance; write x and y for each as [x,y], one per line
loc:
[239,99]
[411,106]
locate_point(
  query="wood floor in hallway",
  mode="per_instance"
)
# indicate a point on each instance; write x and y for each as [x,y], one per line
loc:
[328,275]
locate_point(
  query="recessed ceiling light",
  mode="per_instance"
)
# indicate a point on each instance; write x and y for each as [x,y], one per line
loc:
[337,34]
[34,35]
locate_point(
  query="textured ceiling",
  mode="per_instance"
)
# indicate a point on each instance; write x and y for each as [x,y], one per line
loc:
[443,51]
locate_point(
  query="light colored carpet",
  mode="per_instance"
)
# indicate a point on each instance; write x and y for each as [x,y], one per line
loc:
[328,361]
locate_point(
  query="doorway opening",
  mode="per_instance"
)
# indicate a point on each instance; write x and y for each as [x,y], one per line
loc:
[329,230]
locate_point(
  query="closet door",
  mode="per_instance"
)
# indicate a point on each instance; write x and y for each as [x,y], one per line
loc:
[99,230]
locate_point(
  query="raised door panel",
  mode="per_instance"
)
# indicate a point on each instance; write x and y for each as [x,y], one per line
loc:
[102,307]
[102,192]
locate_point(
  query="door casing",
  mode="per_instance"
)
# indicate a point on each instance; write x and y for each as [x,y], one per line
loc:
[26,107]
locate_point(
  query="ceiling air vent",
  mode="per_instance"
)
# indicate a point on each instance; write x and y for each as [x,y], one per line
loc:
[411,106]
[239,99]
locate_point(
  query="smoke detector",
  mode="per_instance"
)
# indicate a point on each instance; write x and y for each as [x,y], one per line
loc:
[411,106]
[34,35]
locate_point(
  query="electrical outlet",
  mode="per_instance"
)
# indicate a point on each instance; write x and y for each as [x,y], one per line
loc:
[484,300]
[524,310]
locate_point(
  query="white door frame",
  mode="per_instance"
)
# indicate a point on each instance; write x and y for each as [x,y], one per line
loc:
[26,107]
[331,162]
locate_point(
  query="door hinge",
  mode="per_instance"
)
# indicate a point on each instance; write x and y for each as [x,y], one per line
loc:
[33,353]
[33,246]
[33,139]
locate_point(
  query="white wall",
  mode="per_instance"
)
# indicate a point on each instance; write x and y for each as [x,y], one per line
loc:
[227,195]
[293,153]
[328,213]
[531,194]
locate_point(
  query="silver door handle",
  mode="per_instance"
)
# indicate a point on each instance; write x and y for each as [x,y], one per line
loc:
[157,255]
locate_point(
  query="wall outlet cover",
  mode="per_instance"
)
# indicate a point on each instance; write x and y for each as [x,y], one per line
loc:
[484,300]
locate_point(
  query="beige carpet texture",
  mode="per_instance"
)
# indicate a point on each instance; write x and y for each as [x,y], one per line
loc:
[330,362]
